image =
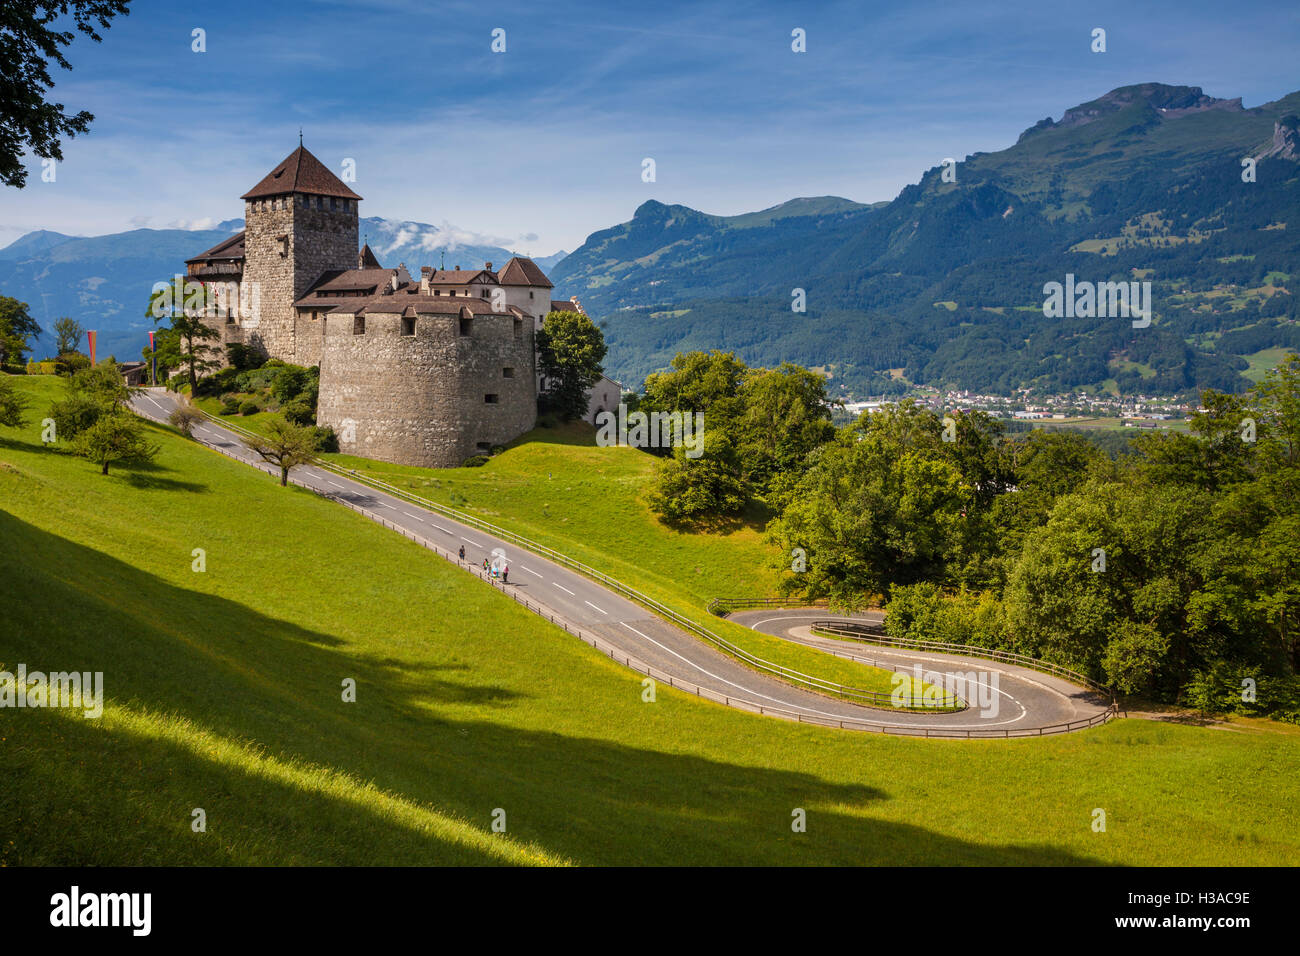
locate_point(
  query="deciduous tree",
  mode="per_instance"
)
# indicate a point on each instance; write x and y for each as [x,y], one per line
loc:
[285,445]
[28,44]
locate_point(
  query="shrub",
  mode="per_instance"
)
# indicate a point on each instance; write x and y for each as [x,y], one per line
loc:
[298,412]
[923,612]
[69,363]
[326,440]
[229,405]
[249,407]
[185,418]
[255,379]
[243,357]
[291,382]
[1218,688]
[474,461]
[217,383]
[74,415]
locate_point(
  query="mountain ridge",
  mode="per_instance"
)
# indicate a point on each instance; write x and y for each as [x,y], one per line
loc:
[1145,180]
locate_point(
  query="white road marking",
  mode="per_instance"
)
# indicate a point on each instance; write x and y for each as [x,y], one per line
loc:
[563,588]
[468,541]
[409,515]
[747,690]
[787,704]
[442,529]
[336,484]
[531,571]
[589,604]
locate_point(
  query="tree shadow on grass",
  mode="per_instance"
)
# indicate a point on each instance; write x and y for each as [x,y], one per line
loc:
[424,733]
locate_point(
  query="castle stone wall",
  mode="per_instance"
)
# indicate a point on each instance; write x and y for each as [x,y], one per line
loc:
[317,240]
[420,400]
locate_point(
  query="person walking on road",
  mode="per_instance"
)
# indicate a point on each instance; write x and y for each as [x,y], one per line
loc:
[462,554]
[505,574]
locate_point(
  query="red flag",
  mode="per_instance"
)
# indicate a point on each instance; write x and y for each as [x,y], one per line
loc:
[90,343]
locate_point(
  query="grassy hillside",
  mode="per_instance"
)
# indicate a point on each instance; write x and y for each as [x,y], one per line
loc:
[555,487]
[224,693]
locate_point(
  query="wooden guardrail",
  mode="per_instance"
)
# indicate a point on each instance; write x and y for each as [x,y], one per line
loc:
[870,634]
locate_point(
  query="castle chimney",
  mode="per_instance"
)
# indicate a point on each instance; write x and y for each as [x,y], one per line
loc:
[487,266]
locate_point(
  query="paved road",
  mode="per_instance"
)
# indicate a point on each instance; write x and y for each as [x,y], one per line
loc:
[1025,700]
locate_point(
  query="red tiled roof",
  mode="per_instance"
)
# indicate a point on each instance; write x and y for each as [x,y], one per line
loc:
[301,172]
[523,271]
[562,305]
[366,259]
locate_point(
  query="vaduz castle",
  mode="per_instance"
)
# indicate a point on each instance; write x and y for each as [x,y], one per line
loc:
[425,372]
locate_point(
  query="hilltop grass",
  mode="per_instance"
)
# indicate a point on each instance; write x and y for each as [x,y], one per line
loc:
[223,692]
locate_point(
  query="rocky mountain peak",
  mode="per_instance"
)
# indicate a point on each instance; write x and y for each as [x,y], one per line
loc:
[1170,102]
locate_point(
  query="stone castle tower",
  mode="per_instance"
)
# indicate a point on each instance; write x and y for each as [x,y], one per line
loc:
[299,222]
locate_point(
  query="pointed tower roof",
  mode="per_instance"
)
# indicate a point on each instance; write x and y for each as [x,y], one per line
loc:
[301,172]
[366,259]
[521,270]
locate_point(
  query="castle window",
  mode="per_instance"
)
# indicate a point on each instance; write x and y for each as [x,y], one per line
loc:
[334,203]
[491,399]
[359,325]
[507,372]
[484,447]
[437,292]
[452,293]
[519,328]
[408,326]
[465,326]
[530,295]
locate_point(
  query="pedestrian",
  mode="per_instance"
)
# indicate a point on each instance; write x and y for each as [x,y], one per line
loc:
[485,565]
[462,554]
[505,574]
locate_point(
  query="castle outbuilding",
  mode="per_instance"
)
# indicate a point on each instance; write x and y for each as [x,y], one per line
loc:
[417,372]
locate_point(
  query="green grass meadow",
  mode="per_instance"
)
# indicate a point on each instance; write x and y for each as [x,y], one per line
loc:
[223,692]
[556,487]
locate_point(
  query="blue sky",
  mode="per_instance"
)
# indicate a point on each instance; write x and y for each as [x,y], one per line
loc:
[539,146]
